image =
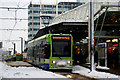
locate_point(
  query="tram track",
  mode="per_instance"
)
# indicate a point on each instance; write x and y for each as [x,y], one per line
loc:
[73,75]
[66,73]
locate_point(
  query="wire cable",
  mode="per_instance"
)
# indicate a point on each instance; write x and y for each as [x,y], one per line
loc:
[102,25]
[15,19]
[12,19]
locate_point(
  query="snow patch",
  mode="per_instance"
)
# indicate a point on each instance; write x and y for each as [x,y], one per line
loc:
[26,72]
[61,63]
[94,74]
[100,67]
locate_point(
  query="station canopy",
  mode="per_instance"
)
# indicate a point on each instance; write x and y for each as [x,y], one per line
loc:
[79,30]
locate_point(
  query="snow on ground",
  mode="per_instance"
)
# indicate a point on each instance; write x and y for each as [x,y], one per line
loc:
[94,74]
[0,71]
[26,72]
[32,72]
[104,68]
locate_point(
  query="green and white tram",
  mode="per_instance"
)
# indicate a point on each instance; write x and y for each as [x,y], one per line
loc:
[51,51]
[18,57]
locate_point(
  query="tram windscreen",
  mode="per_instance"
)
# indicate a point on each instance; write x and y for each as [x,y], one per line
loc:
[61,46]
[19,57]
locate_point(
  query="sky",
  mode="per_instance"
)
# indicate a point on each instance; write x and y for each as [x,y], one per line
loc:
[12,24]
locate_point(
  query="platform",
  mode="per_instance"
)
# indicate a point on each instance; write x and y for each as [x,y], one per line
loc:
[18,64]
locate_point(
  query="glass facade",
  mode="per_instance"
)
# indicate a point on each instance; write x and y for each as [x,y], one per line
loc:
[46,15]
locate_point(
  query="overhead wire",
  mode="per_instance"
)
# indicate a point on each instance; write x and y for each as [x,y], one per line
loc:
[102,25]
[14,29]
[15,19]
[18,8]
[97,24]
[21,8]
[12,19]
[12,8]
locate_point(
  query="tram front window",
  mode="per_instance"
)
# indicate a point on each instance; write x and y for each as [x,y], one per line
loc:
[61,48]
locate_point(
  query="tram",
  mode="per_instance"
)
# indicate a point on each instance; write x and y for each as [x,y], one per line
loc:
[80,53]
[51,51]
[15,57]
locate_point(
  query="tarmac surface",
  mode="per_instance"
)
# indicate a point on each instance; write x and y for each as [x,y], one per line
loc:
[18,64]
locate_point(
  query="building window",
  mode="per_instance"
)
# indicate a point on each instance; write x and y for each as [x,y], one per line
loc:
[54,6]
[54,12]
[36,18]
[59,12]
[29,17]
[36,5]
[49,12]
[35,29]
[29,12]
[30,29]
[34,34]
[44,12]
[30,6]
[72,4]
[36,23]
[29,23]
[49,6]
[66,6]
[30,35]
[60,6]
[36,11]
[44,5]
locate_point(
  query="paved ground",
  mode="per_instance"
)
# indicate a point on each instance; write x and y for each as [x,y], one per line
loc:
[16,64]
[111,70]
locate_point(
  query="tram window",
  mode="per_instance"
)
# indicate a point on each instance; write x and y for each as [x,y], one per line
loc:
[47,51]
[33,51]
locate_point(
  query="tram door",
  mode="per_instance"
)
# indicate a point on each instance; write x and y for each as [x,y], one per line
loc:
[102,54]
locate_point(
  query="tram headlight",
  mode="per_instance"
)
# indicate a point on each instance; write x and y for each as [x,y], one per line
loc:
[69,76]
[53,62]
[68,62]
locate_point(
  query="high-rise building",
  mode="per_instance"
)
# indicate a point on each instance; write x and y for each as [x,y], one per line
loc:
[40,15]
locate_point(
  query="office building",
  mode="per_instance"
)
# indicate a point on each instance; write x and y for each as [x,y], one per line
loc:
[40,15]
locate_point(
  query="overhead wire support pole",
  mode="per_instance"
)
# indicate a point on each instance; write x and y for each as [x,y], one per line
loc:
[56,8]
[21,44]
[91,34]
[14,47]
